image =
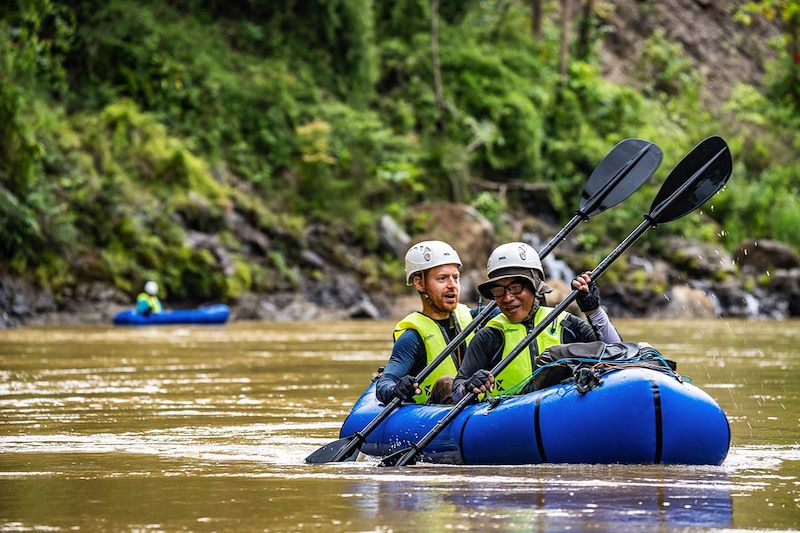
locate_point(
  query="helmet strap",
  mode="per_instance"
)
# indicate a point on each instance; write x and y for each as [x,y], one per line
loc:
[534,307]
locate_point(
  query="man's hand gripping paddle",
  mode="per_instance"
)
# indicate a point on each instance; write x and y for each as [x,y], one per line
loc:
[698,177]
[624,169]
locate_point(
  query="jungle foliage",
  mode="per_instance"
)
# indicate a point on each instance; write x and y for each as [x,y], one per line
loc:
[204,143]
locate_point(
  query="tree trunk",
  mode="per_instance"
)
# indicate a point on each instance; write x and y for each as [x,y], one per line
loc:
[563,57]
[536,18]
[794,51]
[437,76]
[585,30]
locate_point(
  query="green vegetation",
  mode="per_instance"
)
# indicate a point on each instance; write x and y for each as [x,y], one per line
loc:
[137,139]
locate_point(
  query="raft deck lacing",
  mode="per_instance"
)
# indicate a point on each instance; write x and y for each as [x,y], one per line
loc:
[648,358]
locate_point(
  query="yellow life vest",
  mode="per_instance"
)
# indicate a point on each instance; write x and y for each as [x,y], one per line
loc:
[152,301]
[521,367]
[435,343]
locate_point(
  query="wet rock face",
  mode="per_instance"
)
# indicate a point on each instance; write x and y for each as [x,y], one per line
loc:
[735,302]
[342,291]
[625,301]
[330,282]
[392,236]
[688,302]
[466,230]
[764,254]
[20,302]
[257,243]
[698,260]
[782,292]
[84,303]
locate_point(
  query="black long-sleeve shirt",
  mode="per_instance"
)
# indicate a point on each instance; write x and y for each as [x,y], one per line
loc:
[486,349]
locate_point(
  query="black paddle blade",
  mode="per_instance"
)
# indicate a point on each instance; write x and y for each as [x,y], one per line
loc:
[626,167]
[698,177]
[328,453]
[393,459]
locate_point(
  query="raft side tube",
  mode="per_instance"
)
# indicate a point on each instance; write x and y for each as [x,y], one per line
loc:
[614,423]
[504,433]
[214,314]
[407,425]
[695,428]
[637,415]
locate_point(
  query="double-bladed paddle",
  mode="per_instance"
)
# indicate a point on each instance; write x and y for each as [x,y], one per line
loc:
[624,169]
[698,176]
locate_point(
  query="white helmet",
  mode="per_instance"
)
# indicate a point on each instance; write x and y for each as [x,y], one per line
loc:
[429,254]
[514,254]
[151,288]
[514,260]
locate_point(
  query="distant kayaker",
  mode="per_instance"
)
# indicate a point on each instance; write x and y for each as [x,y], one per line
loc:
[432,267]
[516,283]
[147,302]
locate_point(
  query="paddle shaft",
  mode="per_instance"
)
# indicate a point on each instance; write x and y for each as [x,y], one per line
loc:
[581,215]
[417,447]
[636,169]
[686,193]
[359,437]
[481,318]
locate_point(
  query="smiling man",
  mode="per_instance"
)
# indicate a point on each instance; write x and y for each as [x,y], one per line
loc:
[516,284]
[432,267]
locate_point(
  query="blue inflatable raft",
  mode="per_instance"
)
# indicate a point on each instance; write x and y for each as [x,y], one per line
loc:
[213,314]
[636,415]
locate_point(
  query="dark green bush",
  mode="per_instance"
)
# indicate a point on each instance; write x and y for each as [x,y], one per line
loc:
[125,127]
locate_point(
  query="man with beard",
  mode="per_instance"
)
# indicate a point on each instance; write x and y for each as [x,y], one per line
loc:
[516,284]
[432,267]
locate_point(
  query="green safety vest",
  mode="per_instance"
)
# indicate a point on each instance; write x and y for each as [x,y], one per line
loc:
[152,301]
[435,343]
[521,367]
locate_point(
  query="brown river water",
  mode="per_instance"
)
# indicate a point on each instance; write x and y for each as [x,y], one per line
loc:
[205,428]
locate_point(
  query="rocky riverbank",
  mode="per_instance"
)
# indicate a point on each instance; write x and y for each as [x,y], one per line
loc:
[761,279]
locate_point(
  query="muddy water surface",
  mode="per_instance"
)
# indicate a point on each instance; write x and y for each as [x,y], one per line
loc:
[206,428]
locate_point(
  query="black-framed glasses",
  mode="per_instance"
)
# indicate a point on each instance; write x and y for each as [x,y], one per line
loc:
[512,288]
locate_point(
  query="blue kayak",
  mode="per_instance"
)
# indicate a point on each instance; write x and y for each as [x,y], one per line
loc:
[636,416]
[213,314]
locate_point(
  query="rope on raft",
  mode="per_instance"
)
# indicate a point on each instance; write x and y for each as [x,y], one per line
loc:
[648,357]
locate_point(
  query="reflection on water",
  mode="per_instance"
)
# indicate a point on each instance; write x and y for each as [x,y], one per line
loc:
[206,429]
[574,498]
